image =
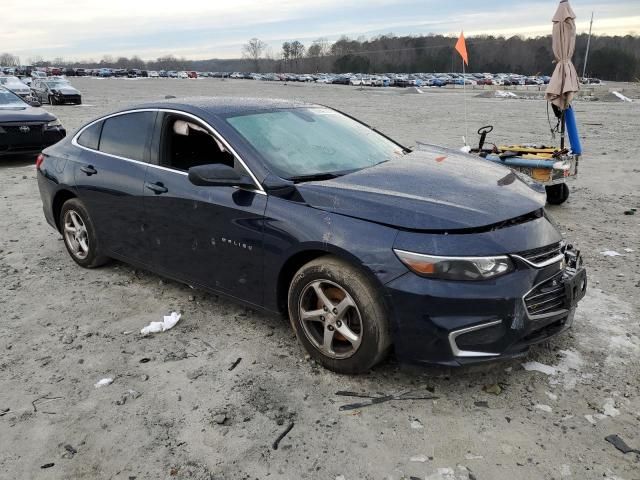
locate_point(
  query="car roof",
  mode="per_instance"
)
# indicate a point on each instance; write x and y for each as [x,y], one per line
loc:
[225,105]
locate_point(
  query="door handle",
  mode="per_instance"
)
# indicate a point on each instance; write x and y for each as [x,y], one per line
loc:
[156,188]
[89,170]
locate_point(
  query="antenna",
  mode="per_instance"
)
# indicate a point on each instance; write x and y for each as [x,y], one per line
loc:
[586,55]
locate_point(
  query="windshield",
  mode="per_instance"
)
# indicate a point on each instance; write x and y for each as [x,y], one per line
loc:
[57,84]
[10,81]
[312,142]
[10,100]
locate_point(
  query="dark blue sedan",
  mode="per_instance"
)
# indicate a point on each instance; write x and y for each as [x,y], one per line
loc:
[300,209]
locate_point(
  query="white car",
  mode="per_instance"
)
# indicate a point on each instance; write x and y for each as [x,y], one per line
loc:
[153,74]
[16,86]
[183,75]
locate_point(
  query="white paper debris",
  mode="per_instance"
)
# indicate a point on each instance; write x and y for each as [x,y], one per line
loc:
[104,382]
[610,409]
[622,97]
[611,253]
[416,424]
[466,149]
[629,250]
[544,408]
[471,456]
[168,323]
[505,94]
[539,367]
[552,396]
[419,458]
[590,419]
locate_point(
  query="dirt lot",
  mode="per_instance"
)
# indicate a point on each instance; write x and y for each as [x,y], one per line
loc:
[63,328]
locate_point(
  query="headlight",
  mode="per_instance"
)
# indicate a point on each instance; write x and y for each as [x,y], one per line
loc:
[54,123]
[455,268]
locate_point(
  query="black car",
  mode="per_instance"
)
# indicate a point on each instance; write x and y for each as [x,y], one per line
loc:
[25,129]
[299,209]
[55,91]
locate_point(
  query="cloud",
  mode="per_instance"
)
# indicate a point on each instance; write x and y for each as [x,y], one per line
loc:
[81,29]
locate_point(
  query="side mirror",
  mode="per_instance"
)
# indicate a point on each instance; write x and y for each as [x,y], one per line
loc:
[218,175]
[33,101]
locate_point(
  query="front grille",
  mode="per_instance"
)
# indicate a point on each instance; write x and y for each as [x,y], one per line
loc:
[547,298]
[14,128]
[541,255]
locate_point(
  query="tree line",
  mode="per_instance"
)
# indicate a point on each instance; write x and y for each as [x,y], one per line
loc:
[615,58]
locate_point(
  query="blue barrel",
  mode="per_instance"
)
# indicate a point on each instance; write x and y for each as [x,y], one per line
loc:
[572,131]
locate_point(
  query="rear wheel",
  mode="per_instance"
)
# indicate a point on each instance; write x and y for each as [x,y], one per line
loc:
[557,194]
[338,316]
[79,234]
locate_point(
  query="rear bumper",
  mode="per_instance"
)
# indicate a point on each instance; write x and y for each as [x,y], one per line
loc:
[461,323]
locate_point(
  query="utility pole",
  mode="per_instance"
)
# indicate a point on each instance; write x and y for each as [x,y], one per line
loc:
[586,55]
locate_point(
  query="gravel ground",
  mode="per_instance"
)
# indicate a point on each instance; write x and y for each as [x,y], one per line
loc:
[175,408]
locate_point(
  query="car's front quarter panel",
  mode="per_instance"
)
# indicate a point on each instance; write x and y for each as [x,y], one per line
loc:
[291,228]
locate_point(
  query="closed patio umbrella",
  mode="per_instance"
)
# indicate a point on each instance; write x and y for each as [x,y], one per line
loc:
[564,81]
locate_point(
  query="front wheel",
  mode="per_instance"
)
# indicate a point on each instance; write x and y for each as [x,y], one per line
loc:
[338,316]
[557,194]
[79,234]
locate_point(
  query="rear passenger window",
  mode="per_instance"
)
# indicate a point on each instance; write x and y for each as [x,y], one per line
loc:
[90,138]
[127,135]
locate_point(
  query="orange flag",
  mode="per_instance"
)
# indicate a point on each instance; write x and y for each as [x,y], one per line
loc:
[461,47]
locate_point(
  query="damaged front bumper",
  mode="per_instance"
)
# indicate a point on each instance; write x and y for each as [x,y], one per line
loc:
[459,323]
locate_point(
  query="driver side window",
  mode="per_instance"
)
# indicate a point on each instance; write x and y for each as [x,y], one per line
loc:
[185,143]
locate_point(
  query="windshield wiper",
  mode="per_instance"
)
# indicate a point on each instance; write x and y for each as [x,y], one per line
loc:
[314,177]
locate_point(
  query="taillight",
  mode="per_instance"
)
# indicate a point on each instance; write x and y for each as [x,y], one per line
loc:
[39,161]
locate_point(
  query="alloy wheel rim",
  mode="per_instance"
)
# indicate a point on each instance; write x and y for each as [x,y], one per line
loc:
[330,319]
[75,234]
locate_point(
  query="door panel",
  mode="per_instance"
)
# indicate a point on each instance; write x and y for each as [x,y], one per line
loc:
[114,197]
[207,235]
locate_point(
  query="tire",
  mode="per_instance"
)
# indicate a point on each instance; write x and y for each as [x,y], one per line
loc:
[79,234]
[355,321]
[557,194]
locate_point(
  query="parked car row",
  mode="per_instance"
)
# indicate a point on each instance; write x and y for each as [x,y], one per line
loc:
[54,90]
[25,129]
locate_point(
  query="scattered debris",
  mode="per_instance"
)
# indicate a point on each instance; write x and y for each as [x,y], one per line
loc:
[539,367]
[629,250]
[47,465]
[611,253]
[419,458]
[156,327]
[622,97]
[235,364]
[145,360]
[544,408]
[282,435]
[620,444]
[37,401]
[552,396]
[481,403]
[70,449]
[375,400]
[630,212]
[194,374]
[610,409]
[505,94]
[4,411]
[416,424]
[470,456]
[494,388]
[129,394]
[104,382]
[220,418]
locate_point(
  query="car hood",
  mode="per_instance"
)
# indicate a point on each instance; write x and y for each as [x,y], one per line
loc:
[432,190]
[26,114]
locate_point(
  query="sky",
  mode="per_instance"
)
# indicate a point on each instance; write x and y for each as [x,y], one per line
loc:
[202,29]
